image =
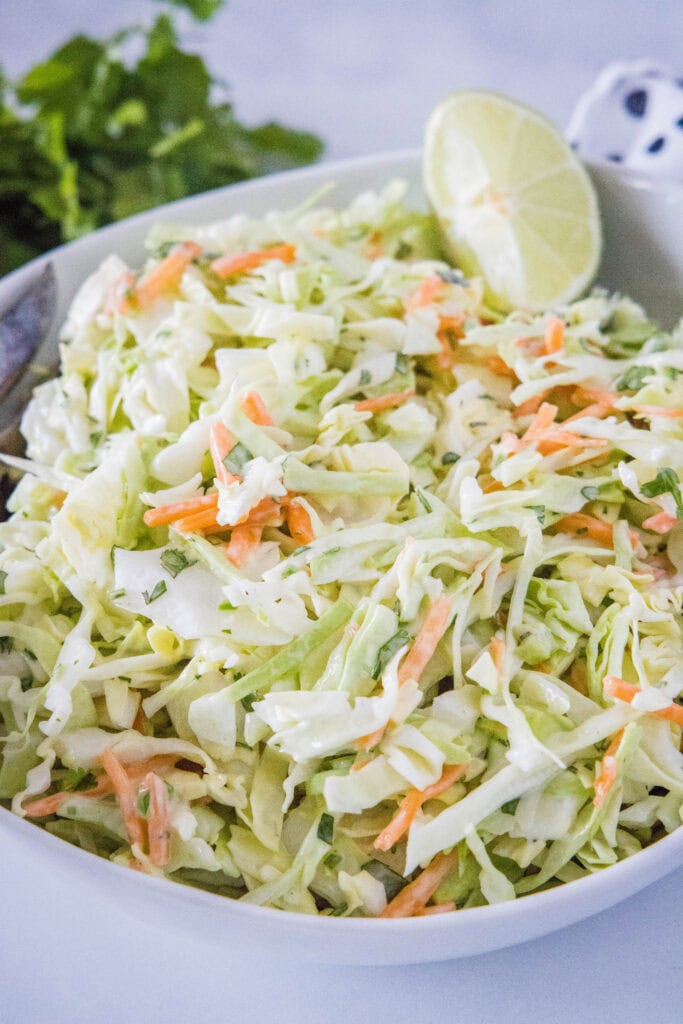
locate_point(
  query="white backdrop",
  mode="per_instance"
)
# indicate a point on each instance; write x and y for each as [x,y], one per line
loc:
[364,75]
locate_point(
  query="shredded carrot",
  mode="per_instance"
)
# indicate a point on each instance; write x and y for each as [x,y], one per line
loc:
[242,262]
[543,419]
[621,690]
[417,658]
[417,894]
[179,510]
[125,794]
[497,649]
[117,293]
[51,804]
[198,521]
[243,541]
[449,332]
[533,347]
[661,522]
[411,804]
[158,824]
[426,641]
[492,487]
[658,410]
[425,293]
[163,277]
[579,522]
[598,411]
[299,523]
[607,775]
[415,662]
[501,369]
[531,405]
[553,339]
[265,512]
[254,407]
[221,444]
[589,396]
[383,402]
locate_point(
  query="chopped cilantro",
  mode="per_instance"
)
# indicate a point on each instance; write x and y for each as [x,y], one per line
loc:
[634,378]
[391,880]
[539,511]
[175,561]
[143,803]
[3,577]
[77,779]
[326,828]
[157,590]
[448,458]
[666,482]
[388,650]
[237,458]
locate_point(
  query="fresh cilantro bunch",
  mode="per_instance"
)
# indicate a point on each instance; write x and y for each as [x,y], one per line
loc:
[94,134]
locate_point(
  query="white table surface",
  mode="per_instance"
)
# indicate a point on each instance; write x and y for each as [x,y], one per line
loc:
[364,75]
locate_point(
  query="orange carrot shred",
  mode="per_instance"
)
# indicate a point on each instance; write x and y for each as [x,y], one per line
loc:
[553,339]
[425,293]
[198,521]
[383,402]
[179,509]
[254,407]
[299,523]
[417,658]
[501,369]
[607,775]
[594,528]
[598,411]
[221,444]
[661,522]
[51,804]
[426,641]
[243,541]
[497,648]
[416,895]
[621,690]
[243,262]
[411,804]
[125,794]
[164,276]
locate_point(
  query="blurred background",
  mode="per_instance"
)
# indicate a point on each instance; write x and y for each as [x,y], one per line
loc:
[364,74]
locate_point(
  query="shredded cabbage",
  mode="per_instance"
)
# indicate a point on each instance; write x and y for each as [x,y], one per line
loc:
[341,579]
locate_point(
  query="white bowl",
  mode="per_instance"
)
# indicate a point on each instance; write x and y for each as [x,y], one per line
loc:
[644,258]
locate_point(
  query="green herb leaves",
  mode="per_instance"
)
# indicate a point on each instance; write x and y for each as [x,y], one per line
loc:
[666,482]
[157,590]
[237,458]
[174,561]
[89,137]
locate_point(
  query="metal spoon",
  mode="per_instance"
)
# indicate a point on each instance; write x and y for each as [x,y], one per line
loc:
[25,324]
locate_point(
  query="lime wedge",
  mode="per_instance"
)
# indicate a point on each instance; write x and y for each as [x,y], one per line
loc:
[515,204]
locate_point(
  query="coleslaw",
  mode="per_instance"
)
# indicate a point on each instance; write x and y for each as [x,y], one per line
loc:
[330,589]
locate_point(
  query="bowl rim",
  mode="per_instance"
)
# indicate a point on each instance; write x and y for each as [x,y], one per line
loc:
[622,878]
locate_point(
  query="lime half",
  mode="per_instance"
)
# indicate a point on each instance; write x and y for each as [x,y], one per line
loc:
[514,202]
